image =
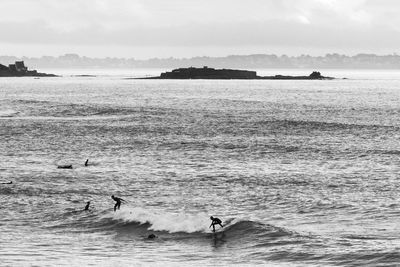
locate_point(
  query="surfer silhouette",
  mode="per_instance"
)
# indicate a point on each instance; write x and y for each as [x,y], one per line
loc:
[118,202]
[87,163]
[215,221]
[87,205]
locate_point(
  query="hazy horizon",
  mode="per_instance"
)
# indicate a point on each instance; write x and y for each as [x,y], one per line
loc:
[201,56]
[255,61]
[181,29]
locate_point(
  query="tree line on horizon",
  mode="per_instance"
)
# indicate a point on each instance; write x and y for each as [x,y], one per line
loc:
[256,61]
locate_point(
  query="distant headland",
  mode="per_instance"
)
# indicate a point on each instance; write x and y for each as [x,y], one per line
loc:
[20,70]
[226,74]
[252,61]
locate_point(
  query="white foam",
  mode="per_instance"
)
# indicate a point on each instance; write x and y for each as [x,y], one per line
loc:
[8,113]
[163,221]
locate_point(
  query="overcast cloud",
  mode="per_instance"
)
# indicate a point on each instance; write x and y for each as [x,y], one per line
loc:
[147,28]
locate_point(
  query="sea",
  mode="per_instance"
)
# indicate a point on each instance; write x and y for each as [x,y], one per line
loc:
[301,173]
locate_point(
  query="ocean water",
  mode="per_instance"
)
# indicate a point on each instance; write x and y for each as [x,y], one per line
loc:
[302,173]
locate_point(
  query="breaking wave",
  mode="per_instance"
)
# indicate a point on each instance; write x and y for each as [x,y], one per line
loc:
[142,221]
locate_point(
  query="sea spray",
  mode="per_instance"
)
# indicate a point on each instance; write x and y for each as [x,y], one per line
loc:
[162,220]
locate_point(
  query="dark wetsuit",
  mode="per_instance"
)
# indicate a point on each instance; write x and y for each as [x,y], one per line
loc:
[118,202]
[214,222]
[87,205]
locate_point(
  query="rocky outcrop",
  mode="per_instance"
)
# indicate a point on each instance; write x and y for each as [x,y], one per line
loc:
[20,70]
[315,75]
[208,73]
[225,74]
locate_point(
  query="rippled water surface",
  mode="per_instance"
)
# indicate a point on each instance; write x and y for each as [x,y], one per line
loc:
[302,173]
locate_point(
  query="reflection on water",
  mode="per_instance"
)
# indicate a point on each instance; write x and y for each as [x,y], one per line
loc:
[305,172]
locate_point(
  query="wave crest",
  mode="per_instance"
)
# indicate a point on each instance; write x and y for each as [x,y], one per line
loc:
[161,221]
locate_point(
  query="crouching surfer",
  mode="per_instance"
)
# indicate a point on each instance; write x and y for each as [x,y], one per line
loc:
[118,202]
[215,221]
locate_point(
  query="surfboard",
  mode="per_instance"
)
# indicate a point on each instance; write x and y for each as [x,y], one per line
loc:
[64,166]
[226,224]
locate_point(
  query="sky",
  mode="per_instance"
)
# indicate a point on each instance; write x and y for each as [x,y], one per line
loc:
[185,28]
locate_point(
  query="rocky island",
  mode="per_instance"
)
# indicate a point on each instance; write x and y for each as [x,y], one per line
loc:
[226,74]
[20,70]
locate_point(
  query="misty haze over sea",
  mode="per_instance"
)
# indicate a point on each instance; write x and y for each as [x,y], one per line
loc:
[255,61]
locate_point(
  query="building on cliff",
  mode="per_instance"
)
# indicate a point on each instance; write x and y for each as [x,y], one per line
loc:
[20,66]
[18,69]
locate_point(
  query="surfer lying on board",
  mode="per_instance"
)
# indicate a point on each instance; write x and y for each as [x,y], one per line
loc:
[215,221]
[118,202]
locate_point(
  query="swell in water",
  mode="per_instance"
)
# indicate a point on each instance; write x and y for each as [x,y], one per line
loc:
[140,221]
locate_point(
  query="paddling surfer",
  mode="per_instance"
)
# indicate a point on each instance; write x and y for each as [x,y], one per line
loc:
[118,202]
[215,221]
[151,236]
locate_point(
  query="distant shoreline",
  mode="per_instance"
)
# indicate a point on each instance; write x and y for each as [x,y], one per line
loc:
[252,61]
